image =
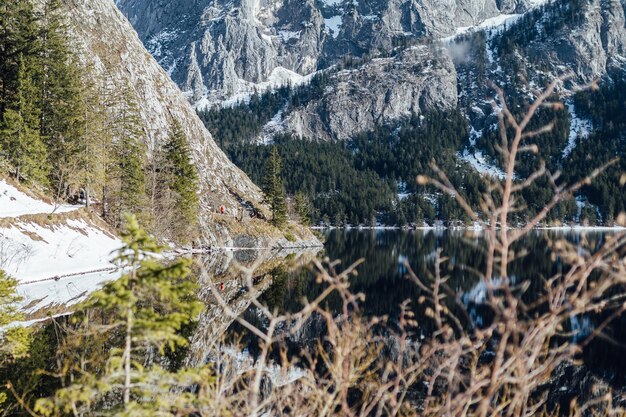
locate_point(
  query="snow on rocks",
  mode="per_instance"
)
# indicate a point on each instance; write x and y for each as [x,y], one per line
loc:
[279,77]
[14,203]
[333,25]
[495,23]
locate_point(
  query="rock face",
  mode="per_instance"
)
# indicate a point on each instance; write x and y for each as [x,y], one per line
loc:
[220,51]
[119,59]
[379,92]
[591,44]
[217,48]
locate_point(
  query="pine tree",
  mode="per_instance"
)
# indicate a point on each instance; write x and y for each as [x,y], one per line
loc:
[94,150]
[148,306]
[303,208]
[274,190]
[18,37]
[126,177]
[20,139]
[181,180]
[62,112]
[14,342]
[130,195]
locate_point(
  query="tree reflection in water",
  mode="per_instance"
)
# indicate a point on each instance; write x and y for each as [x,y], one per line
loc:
[383,279]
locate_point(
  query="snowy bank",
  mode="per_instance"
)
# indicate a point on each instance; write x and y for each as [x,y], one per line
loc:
[35,249]
[15,203]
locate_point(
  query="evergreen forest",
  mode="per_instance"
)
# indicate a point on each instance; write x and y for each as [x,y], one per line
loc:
[65,134]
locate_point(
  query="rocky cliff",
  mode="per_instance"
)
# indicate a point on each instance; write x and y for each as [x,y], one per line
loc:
[221,51]
[111,46]
[217,48]
[378,92]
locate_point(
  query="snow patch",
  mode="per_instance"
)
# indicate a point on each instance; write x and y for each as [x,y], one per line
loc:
[477,160]
[287,35]
[271,128]
[31,252]
[333,24]
[280,77]
[578,128]
[498,23]
[15,203]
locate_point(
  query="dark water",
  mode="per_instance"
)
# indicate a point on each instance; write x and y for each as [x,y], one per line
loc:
[382,277]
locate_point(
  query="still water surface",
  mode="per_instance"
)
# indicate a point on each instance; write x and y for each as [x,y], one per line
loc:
[382,277]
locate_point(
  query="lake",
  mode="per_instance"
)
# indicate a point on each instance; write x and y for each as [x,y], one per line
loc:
[382,277]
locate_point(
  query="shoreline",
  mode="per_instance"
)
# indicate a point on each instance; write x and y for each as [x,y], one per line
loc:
[575,228]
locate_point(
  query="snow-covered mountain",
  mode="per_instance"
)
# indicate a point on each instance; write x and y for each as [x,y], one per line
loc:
[218,48]
[410,54]
[373,66]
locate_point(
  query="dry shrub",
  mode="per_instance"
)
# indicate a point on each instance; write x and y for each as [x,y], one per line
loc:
[504,367]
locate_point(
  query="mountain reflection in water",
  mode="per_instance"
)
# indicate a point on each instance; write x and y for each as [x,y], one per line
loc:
[382,278]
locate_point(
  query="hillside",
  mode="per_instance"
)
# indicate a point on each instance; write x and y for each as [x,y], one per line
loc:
[112,48]
[342,71]
[58,254]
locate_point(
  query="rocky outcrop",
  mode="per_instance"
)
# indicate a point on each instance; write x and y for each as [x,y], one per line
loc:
[585,37]
[112,48]
[379,92]
[226,48]
[228,45]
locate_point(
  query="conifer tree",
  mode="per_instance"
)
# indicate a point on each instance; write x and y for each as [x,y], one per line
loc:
[303,208]
[131,181]
[148,307]
[181,180]
[14,342]
[274,190]
[94,149]
[126,177]
[20,139]
[62,113]
[18,37]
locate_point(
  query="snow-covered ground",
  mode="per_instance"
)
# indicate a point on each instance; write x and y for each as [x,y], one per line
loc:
[56,259]
[271,128]
[578,128]
[497,22]
[14,203]
[478,161]
[494,24]
[32,252]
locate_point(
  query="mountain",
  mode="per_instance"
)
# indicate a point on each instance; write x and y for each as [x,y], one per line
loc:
[335,70]
[220,48]
[113,50]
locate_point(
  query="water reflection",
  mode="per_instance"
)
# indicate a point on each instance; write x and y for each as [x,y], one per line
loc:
[383,276]
[383,279]
[284,280]
[237,277]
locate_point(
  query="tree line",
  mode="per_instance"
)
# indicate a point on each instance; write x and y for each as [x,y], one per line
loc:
[79,137]
[371,178]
